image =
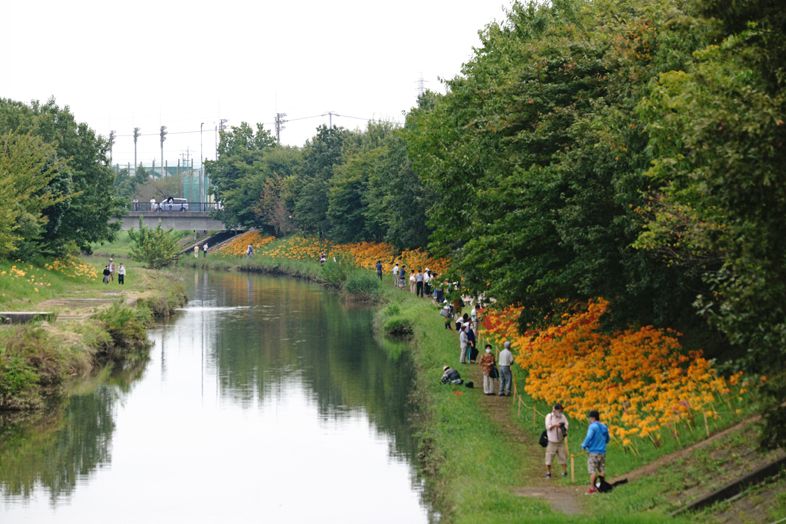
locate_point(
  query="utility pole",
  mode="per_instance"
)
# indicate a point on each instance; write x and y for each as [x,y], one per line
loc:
[279,126]
[201,166]
[220,129]
[163,137]
[330,118]
[111,145]
[136,136]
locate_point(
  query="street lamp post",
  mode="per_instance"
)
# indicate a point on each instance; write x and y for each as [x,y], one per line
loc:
[201,167]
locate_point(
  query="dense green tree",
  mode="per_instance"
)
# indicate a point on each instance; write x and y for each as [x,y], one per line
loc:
[320,156]
[87,213]
[238,175]
[27,167]
[718,139]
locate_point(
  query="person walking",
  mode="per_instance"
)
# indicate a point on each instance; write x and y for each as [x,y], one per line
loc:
[505,375]
[121,274]
[419,283]
[111,269]
[412,280]
[379,270]
[488,367]
[402,277]
[204,249]
[395,275]
[557,430]
[106,274]
[463,341]
[196,250]
[250,250]
[595,444]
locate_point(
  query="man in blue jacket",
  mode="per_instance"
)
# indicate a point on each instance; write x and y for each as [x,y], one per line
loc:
[595,443]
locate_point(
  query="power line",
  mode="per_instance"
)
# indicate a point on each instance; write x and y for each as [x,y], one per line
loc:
[273,123]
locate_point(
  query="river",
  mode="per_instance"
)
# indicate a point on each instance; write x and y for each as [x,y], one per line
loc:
[265,400]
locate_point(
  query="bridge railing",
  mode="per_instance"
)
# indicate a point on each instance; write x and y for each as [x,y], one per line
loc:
[185,207]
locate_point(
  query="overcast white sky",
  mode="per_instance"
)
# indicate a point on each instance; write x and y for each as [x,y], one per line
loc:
[146,63]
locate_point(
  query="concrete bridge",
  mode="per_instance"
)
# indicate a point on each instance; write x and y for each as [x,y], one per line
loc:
[179,215]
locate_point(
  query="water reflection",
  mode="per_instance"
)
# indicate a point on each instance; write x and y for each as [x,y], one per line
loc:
[263,391]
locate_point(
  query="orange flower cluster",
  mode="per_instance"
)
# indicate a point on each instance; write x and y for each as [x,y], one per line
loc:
[239,244]
[366,254]
[416,258]
[72,267]
[640,380]
[296,247]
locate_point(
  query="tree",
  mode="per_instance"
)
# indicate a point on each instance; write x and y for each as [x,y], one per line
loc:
[156,248]
[320,156]
[27,167]
[89,211]
[238,175]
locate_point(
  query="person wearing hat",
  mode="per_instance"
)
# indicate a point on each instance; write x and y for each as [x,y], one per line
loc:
[556,430]
[450,376]
[487,366]
[505,375]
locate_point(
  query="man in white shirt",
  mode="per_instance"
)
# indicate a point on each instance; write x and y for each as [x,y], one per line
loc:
[505,376]
[556,430]
[395,274]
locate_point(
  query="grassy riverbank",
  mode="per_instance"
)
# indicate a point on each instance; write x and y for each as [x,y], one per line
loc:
[480,455]
[342,275]
[95,325]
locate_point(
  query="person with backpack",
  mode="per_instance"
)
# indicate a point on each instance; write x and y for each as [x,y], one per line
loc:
[595,444]
[106,274]
[556,431]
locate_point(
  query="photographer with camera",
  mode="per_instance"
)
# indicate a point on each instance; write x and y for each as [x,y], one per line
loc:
[557,430]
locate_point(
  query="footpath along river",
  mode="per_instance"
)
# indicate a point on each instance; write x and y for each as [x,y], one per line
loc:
[265,400]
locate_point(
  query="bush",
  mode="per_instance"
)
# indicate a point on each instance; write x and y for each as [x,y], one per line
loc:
[29,361]
[156,248]
[336,272]
[128,328]
[363,285]
[398,327]
[18,381]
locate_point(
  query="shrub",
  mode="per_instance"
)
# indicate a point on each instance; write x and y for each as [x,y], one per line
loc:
[19,381]
[362,285]
[156,248]
[337,269]
[128,328]
[398,327]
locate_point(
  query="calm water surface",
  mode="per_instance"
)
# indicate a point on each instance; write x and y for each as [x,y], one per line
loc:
[265,400]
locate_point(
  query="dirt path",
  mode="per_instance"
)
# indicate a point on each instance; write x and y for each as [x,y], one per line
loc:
[77,308]
[652,467]
[563,498]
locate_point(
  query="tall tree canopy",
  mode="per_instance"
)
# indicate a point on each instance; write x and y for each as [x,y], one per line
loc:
[85,208]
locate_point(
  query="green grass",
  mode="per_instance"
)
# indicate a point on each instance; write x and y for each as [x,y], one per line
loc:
[121,246]
[36,360]
[471,472]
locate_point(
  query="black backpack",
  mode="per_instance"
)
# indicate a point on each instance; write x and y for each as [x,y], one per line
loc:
[544,439]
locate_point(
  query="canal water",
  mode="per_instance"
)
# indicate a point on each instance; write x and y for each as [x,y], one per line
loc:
[265,400]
